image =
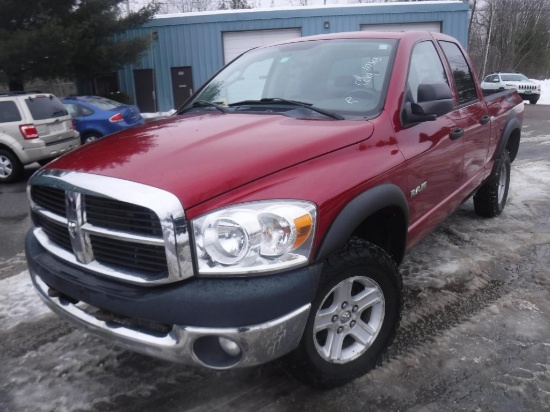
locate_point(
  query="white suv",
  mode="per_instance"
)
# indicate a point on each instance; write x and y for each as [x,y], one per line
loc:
[34,127]
[527,89]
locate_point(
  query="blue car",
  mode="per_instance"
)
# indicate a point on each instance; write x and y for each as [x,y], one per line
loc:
[96,116]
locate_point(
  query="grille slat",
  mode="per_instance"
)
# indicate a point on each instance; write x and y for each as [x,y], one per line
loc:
[56,233]
[129,254]
[122,216]
[49,198]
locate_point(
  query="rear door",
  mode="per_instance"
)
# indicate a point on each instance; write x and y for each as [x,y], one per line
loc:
[473,113]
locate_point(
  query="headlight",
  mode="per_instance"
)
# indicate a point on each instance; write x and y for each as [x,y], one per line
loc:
[255,237]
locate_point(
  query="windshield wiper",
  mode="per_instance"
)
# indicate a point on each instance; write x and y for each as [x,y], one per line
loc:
[204,103]
[271,100]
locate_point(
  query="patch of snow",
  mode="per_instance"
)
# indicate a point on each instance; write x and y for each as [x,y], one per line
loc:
[544,91]
[20,302]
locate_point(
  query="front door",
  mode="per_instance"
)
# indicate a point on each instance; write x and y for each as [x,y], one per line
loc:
[144,83]
[434,156]
[182,84]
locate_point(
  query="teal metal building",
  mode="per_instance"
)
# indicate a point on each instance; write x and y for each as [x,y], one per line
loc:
[187,49]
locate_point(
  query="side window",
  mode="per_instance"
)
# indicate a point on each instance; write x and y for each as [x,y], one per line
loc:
[426,67]
[71,108]
[84,111]
[9,112]
[491,79]
[461,72]
[77,110]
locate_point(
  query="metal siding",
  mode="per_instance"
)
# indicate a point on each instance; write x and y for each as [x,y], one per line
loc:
[196,40]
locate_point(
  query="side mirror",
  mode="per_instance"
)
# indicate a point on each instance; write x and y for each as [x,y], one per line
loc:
[434,100]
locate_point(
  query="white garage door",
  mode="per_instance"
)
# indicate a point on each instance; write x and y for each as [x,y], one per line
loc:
[434,26]
[237,42]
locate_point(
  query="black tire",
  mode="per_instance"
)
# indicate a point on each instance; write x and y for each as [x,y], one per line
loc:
[361,267]
[490,199]
[533,100]
[89,137]
[11,168]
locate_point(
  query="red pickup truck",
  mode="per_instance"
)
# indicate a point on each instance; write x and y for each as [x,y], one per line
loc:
[269,216]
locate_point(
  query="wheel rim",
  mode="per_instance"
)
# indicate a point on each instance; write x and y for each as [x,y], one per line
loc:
[349,319]
[502,183]
[6,167]
[91,139]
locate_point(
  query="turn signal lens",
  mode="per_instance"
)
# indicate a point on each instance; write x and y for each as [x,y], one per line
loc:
[304,226]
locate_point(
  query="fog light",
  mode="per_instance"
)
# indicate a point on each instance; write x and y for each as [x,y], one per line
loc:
[229,347]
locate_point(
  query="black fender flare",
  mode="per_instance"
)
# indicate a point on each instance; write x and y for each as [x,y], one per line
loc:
[512,125]
[359,209]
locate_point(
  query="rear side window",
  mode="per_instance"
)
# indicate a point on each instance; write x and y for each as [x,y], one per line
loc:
[461,72]
[77,110]
[45,107]
[9,112]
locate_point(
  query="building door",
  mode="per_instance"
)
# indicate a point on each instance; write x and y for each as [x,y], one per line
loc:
[144,83]
[182,84]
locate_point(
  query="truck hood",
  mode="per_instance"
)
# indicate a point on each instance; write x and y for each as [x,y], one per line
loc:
[198,157]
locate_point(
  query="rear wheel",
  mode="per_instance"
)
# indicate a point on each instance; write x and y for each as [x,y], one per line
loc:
[11,168]
[89,137]
[490,199]
[353,318]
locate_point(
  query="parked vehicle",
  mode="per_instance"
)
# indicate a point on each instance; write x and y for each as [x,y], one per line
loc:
[34,127]
[269,217]
[96,116]
[527,88]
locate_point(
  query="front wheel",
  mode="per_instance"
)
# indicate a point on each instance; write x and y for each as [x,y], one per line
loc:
[533,100]
[490,199]
[353,318]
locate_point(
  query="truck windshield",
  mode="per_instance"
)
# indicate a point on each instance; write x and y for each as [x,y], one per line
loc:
[340,77]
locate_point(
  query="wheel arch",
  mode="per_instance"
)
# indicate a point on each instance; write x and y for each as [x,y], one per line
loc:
[379,215]
[510,140]
[7,148]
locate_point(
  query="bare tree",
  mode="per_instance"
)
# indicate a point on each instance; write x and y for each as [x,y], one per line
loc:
[510,35]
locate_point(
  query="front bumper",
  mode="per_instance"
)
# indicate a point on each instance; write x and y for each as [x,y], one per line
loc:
[216,323]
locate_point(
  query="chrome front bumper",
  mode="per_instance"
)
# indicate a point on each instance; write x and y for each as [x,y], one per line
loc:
[248,346]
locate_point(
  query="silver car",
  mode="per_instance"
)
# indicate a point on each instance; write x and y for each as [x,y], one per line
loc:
[34,127]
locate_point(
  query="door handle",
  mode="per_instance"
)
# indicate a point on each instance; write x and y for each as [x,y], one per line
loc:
[484,120]
[456,133]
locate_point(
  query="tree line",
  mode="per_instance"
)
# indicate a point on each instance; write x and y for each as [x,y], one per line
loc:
[510,36]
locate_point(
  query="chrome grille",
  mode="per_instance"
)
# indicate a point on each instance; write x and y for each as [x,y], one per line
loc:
[117,228]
